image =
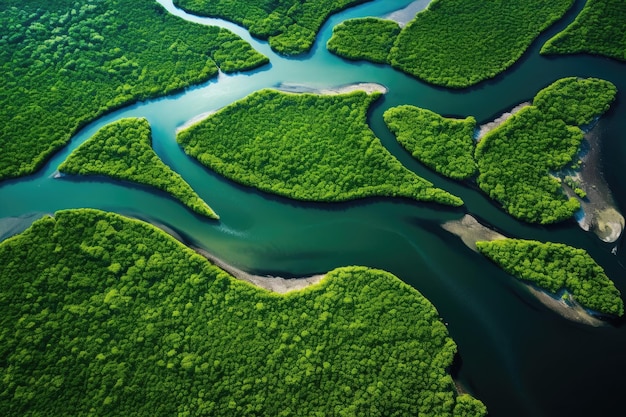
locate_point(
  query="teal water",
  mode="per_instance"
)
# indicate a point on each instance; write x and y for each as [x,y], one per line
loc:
[518,357]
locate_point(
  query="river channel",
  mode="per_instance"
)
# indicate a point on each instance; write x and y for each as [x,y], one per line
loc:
[516,355]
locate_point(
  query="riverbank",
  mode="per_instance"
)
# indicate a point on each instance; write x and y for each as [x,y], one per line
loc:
[275,284]
[483,129]
[403,16]
[599,210]
[471,231]
[369,88]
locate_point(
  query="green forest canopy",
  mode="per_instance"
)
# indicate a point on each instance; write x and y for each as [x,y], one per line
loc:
[600,28]
[305,146]
[66,62]
[443,144]
[453,43]
[368,38]
[515,160]
[554,267]
[122,150]
[290,26]
[105,315]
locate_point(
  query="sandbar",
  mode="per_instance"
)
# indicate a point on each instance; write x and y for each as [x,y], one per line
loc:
[369,88]
[483,129]
[406,14]
[471,231]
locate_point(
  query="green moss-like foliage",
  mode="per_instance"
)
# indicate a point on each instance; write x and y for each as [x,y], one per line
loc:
[103,315]
[122,150]
[65,62]
[289,25]
[515,162]
[456,43]
[555,266]
[369,38]
[443,144]
[516,159]
[576,101]
[305,146]
[600,28]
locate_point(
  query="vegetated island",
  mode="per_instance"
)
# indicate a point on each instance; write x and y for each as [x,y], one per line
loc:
[115,317]
[452,43]
[308,147]
[64,63]
[519,159]
[600,29]
[290,26]
[122,150]
[553,295]
[560,269]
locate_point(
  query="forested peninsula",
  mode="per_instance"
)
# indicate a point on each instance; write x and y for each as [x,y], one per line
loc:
[122,150]
[519,163]
[290,26]
[452,43]
[556,267]
[115,317]
[66,62]
[600,29]
[307,147]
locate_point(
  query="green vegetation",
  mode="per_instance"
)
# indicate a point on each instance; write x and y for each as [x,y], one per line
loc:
[443,144]
[122,150]
[455,43]
[368,38]
[576,101]
[305,146]
[290,26]
[553,267]
[114,317]
[516,160]
[66,62]
[600,28]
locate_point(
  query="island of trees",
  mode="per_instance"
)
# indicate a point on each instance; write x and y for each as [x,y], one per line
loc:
[290,26]
[600,28]
[112,316]
[66,62]
[555,267]
[305,146]
[517,160]
[122,150]
[452,43]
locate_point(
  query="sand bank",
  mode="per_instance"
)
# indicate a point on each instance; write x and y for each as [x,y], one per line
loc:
[406,14]
[274,284]
[489,126]
[369,88]
[194,120]
[567,308]
[471,231]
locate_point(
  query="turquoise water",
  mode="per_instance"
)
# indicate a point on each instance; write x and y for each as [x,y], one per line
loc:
[517,356]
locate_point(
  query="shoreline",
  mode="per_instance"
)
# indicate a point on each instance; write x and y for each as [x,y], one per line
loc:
[485,128]
[470,231]
[599,213]
[368,88]
[278,285]
[403,16]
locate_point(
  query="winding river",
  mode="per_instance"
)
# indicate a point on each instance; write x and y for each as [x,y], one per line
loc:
[516,355]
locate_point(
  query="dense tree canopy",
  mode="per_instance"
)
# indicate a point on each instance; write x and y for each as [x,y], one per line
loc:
[454,43]
[368,38]
[290,25]
[305,146]
[104,315]
[515,160]
[576,101]
[600,28]
[443,144]
[65,62]
[554,267]
[122,150]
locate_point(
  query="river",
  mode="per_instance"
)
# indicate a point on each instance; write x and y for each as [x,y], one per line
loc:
[516,355]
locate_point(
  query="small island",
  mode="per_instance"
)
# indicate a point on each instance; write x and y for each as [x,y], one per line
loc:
[64,63]
[290,26]
[115,317]
[562,270]
[452,43]
[308,147]
[122,150]
[599,29]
